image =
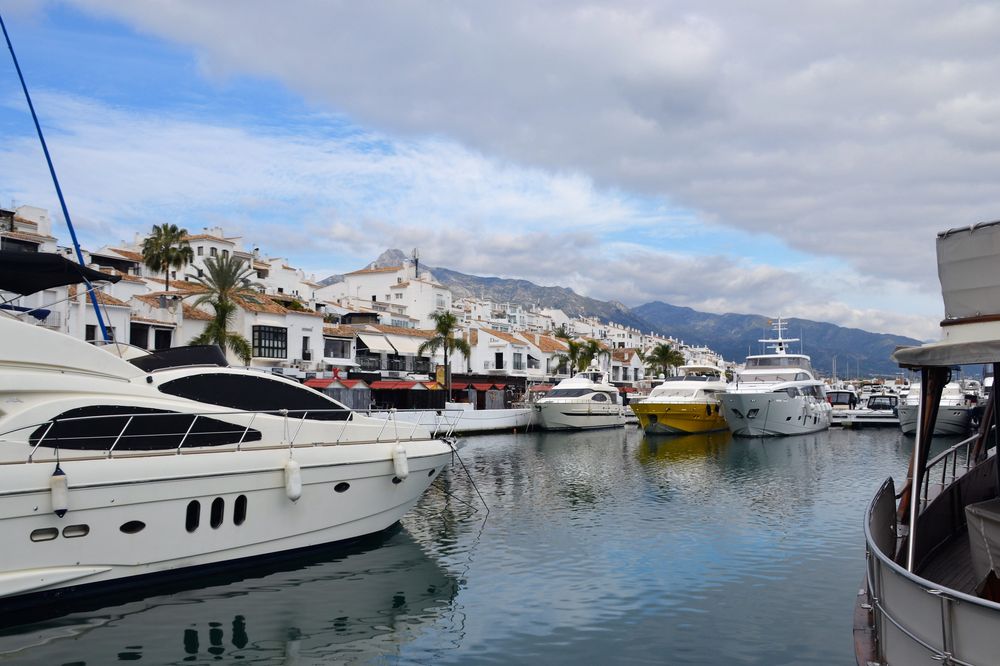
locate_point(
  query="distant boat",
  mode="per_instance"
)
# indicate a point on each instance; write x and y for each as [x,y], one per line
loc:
[684,404]
[954,411]
[776,394]
[586,400]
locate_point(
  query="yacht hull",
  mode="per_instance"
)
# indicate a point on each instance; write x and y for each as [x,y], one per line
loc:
[773,414]
[679,418]
[152,514]
[579,415]
[951,420]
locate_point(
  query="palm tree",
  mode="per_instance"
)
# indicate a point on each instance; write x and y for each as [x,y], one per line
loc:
[662,357]
[226,278]
[445,327]
[570,357]
[590,350]
[166,247]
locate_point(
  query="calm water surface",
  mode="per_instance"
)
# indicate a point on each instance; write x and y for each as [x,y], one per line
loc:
[599,547]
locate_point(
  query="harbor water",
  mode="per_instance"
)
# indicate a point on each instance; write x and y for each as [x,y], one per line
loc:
[600,547]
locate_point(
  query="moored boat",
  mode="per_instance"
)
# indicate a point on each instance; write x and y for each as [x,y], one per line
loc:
[776,394]
[586,400]
[684,404]
[113,471]
[955,410]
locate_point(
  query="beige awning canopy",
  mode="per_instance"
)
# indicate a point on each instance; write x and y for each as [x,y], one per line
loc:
[405,344]
[376,343]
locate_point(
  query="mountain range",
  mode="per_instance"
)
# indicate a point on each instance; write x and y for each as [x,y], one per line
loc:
[856,352]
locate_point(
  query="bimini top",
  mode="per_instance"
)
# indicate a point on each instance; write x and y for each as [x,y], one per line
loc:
[29,272]
[967,261]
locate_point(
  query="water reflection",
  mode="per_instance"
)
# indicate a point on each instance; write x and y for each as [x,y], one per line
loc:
[356,607]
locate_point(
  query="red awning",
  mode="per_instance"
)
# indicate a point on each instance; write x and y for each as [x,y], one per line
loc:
[482,387]
[352,383]
[627,389]
[541,388]
[318,383]
[392,385]
[500,387]
[460,386]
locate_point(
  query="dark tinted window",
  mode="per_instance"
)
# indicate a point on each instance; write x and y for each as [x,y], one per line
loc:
[255,393]
[148,430]
[567,393]
[599,397]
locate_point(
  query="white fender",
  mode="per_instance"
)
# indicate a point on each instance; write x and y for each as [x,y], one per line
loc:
[399,463]
[293,480]
[59,490]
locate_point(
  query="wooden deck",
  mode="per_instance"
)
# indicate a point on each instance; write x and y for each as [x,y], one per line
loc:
[951,566]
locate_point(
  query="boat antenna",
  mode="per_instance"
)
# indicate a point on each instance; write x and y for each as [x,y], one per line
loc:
[55,180]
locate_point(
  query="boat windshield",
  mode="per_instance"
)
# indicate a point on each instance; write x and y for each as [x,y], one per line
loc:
[840,398]
[568,393]
[700,378]
[790,361]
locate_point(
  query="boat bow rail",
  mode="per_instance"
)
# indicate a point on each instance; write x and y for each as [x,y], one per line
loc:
[385,427]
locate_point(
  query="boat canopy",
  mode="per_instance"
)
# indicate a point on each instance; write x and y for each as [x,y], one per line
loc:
[30,272]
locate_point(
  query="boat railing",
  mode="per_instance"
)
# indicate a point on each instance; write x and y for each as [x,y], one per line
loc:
[917,621]
[942,470]
[392,426]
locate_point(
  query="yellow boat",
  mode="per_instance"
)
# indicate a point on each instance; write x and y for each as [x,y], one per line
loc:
[684,404]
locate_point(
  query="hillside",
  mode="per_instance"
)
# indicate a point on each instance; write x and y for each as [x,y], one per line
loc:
[732,335]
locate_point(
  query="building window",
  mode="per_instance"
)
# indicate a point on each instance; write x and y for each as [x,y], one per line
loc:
[201,250]
[213,251]
[399,295]
[334,348]
[270,342]
[225,254]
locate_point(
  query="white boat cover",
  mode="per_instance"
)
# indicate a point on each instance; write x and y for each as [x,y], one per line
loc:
[967,259]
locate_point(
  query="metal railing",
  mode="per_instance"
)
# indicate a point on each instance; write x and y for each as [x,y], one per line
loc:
[949,463]
[391,429]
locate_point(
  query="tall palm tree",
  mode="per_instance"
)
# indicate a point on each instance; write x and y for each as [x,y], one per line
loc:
[662,357]
[591,349]
[570,357]
[166,247]
[226,279]
[445,327]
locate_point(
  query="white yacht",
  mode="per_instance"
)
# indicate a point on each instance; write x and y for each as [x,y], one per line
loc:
[684,404]
[114,471]
[776,394]
[879,409]
[955,411]
[586,400]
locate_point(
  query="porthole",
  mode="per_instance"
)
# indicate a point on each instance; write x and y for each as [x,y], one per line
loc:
[342,487]
[240,510]
[44,534]
[193,515]
[218,512]
[133,527]
[430,472]
[74,531]
[397,480]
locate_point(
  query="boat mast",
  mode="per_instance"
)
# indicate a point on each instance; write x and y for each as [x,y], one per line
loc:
[55,181]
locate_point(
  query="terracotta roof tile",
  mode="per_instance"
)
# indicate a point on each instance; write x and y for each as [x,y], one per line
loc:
[340,331]
[102,298]
[504,336]
[128,254]
[145,320]
[26,236]
[399,330]
[208,237]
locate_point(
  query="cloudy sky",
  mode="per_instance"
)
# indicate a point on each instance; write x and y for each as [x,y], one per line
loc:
[765,157]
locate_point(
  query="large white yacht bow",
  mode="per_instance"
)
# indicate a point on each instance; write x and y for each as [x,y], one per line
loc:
[776,393]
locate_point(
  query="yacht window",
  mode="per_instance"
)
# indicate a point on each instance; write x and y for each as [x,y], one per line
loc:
[256,393]
[97,427]
[218,512]
[599,397]
[567,393]
[791,391]
[240,510]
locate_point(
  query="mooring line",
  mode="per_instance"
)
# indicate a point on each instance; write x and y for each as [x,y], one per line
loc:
[454,452]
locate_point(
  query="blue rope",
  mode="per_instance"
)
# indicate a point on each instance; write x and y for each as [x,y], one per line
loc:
[55,180]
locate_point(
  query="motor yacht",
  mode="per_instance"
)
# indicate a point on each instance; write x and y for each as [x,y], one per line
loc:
[115,471]
[955,411]
[684,404]
[880,409]
[931,593]
[586,400]
[776,393]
